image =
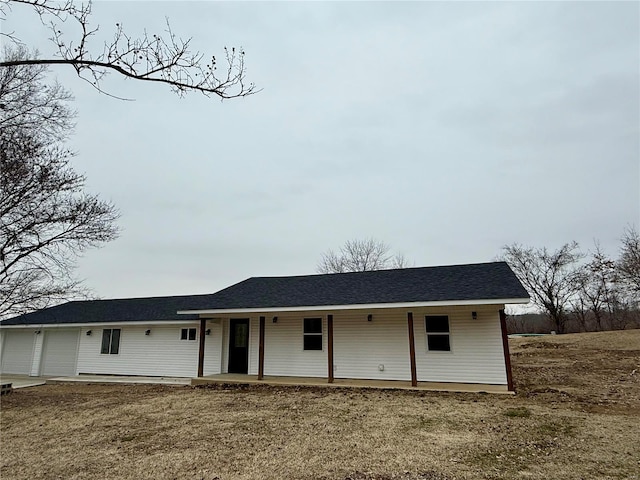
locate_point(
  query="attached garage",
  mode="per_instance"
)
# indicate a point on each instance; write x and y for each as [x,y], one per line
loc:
[17,352]
[60,351]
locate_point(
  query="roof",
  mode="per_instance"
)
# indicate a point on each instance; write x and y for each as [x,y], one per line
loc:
[481,281]
[109,311]
[473,282]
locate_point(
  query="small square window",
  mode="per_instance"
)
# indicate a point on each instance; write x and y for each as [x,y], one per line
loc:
[188,334]
[438,334]
[312,338]
[313,342]
[437,324]
[439,343]
[313,325]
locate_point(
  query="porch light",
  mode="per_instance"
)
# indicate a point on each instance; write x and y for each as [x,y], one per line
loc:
[88,333]
[37,332]
[275,320]
[147,332]
[207,331]
[370,318]
[474,315]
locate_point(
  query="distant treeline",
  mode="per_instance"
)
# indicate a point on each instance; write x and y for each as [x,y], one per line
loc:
[576,322]
[578,291]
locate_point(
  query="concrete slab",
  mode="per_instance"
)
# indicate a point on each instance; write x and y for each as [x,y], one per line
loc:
[121,379]
[22,381]
[231,378]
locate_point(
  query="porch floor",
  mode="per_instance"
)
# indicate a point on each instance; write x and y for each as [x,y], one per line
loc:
[241,379]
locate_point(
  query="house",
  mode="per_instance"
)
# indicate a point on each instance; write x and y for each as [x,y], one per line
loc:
[441,324]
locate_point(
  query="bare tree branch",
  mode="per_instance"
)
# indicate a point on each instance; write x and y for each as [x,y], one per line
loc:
[360,256]
[165,59]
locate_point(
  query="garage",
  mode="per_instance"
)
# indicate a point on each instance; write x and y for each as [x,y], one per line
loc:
[60,351]
[17,352]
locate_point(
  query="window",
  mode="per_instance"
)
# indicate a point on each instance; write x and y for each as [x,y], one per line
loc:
[313,333]
[110,341]
[438,333]
[188,334]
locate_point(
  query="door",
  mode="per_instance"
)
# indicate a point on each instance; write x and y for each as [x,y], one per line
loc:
[238,345]
[17,352]
[60,352]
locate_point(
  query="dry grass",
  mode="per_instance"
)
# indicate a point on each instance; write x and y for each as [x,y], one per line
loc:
[576,416]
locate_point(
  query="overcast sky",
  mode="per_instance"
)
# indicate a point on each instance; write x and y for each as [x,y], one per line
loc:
[446,130]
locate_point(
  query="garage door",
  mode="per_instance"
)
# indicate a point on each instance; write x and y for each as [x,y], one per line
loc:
[17,351]
[60,351]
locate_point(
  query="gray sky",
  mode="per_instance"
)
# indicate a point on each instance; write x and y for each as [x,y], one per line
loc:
[444,129]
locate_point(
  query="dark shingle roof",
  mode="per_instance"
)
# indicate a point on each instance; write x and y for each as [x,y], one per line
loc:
[118,310]
[483,281]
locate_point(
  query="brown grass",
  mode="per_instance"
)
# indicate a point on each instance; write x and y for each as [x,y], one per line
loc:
[576,416]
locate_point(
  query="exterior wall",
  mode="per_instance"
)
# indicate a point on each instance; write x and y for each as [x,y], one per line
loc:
[476,354]
[225,345]
[283,346]
[364,350]
[161,353]
[254,344]
[380,349]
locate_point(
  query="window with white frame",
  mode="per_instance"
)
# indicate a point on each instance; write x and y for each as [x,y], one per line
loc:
[313,333]
[437,333]
[188,334]
[110,341]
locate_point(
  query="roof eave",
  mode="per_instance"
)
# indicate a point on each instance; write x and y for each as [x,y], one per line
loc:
[367,306]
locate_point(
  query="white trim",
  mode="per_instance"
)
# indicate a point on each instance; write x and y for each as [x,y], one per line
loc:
[100,324]
[447,303]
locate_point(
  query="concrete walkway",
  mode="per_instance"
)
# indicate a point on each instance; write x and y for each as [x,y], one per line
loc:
[22,381]
[121,379]
[231,378]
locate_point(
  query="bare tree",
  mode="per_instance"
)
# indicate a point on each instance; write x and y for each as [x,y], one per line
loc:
[596,295]
[628,265]
[46,218]
[360,256]
[29,105]
[165,58]
[552,278]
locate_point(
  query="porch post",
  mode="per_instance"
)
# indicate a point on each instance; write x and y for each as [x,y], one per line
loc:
[203,327]
[261,350]
[505,348]
[330,348]
[412,350]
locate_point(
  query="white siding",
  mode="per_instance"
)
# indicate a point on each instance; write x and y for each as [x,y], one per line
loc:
[36,356]
[225,345]
[283,346]
[361,347]
[161,353]
[254,344]
[476,354]
[373,350]
[17,351]
[213,349]
[60,351]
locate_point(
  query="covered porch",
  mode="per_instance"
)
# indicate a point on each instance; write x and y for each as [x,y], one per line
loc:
[242,379]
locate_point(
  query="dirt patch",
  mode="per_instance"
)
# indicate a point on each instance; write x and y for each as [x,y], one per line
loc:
[576,416]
